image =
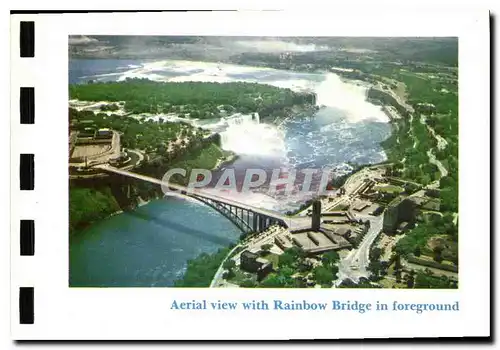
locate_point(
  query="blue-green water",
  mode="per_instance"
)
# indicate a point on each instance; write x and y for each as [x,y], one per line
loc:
[148,246]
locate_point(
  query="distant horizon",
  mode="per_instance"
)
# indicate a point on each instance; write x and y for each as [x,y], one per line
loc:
[229,48]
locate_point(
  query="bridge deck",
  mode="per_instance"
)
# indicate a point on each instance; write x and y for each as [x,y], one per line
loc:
[291,222]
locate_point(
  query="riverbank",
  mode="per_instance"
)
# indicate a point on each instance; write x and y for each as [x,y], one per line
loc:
[200,270]
[225,161]
[90,205]
[307,127]
[99,199]
[306,205]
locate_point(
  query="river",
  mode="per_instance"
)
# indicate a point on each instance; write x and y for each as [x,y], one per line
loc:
[151,245]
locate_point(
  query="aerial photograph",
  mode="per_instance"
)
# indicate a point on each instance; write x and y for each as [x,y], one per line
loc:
[263,162]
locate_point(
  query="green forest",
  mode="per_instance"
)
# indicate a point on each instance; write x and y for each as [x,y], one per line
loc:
[192,99]
[87,205]
[201,270]
[139,133]
[412,141]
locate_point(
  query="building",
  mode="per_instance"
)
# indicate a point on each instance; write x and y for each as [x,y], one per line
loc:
[316,215]
[251,262]
[316,242]
[339,217]
[343,231]
[359,206]
[404,226]
[104,134]
[399,210]
[283,241]
[83,124]
[377,210]
[87,132]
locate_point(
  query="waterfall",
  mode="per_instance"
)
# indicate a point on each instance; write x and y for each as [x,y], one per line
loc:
[348,97]
[245,134]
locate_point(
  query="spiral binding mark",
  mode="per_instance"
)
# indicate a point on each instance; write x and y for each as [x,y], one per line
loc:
[26,305]
[27,173]
[27,39]
[27,237]
[27,105]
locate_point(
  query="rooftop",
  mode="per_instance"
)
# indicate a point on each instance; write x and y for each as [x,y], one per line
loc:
[248,254]
[317,241]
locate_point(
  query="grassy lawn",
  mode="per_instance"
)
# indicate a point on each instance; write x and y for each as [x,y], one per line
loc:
[273,258]
[430,258]
[340,207]
[432,204]
[206,158]
[390,283]
[241,276]
[389,188]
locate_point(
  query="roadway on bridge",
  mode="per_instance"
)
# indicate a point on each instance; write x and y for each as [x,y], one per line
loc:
[292,222]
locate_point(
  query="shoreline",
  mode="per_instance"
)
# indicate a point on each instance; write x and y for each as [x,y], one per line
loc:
[229,159]
[142,202]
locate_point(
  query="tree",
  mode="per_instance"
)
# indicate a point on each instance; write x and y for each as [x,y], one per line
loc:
[248,283]
[375,253]
[410,279]
[229,264]
[300,282]
[334,269]
[417,251]
[201,270]
[427,279]
[375,267]
[398,276]
[290,257]
[330,258]
[286,272]
[285,260]
[438,250]
[304,266]
[322,275]
[273,281]
[266,247]
[228,275]
[397,263]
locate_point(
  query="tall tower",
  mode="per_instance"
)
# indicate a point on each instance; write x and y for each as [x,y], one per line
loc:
[316,215]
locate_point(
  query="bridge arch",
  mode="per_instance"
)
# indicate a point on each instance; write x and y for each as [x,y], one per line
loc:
[246,218]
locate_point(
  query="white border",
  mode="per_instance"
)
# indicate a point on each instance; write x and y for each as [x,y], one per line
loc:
[63,313]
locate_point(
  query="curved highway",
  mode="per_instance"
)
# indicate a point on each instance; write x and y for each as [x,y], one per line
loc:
[355,264]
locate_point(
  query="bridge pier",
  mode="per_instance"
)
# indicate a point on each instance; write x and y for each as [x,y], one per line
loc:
[261,223]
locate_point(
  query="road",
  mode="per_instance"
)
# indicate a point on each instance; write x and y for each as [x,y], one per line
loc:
[440,166]
[441,144]
[360,258]
[441,141]
[220,270]
[257,241]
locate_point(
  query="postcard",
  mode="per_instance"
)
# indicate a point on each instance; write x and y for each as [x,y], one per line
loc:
[187,170]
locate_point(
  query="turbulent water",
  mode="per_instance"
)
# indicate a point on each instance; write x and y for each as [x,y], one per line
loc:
[346,129]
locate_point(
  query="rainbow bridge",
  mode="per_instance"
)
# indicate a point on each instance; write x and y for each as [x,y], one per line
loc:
[247,218]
